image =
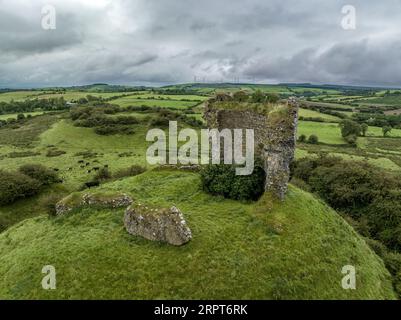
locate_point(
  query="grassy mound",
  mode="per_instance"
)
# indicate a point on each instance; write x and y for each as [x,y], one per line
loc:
[263,250]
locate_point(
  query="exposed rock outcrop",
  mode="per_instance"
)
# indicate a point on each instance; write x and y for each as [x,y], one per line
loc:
[76,200]
[157,224]
[111,201]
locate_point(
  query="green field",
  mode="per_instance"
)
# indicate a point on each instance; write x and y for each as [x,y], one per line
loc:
[387,100]
[176,97]
[315,114]
[15,115]
[68,95]
[327,132]
[18,95]
[174,104]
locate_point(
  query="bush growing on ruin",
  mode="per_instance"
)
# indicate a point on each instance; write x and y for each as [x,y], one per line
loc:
[259,97]
[240,96]
[272,97]
[222,180]
[48,203]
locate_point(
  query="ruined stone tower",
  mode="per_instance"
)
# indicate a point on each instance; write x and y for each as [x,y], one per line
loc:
[274,127]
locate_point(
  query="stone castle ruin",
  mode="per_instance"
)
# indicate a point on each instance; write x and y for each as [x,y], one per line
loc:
[274,127]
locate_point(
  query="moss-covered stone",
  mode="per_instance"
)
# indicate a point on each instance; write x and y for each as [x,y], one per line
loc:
[157,224]
[99,199]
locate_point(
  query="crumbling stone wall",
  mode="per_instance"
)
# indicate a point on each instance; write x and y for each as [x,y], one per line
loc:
[275,137]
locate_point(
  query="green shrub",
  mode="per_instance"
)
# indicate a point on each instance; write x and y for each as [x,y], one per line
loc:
[15,186]
[222,180]
[39,172]
[54,153]
[313,139]
[302,138]
[48,203]
[102,174]
[125,120]
[259,97]
[364,129]
[129,172]
[349,127]
[114,129]
[300,184]
[86,154]
[23,154]
[366,193]
[386,130]
[351,139]
[159,122]
[379,248]
[240,96]
[2,227]
[393,262]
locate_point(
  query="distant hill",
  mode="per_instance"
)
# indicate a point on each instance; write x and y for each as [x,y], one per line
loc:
[333,87]
[102,87]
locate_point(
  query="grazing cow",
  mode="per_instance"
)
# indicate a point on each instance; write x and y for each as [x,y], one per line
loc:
[87,164]
[56,170]
[96,168]
[92,184]
[106,165]
[81,161]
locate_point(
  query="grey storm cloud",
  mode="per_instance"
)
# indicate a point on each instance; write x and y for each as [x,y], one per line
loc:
[156,42]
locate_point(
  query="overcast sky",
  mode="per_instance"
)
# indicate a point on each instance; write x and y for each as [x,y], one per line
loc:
[156,42]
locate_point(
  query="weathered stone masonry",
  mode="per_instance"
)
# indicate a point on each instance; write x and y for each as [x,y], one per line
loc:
[275,137]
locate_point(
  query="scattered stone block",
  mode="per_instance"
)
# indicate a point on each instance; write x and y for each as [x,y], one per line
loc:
[104,200]
[157,224]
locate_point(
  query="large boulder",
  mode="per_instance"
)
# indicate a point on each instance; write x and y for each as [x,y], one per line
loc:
[157,224]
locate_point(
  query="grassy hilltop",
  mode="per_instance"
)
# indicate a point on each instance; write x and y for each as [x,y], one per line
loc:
[261,250]
[265,250]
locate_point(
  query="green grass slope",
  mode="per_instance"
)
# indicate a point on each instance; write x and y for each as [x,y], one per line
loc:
[263,250]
